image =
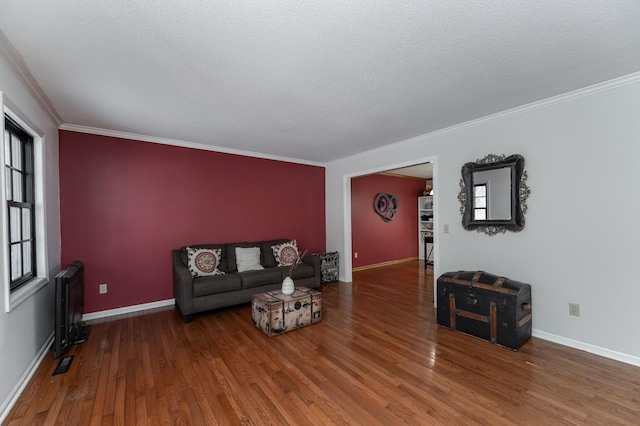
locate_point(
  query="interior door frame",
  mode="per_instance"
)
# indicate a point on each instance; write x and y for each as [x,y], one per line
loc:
[348,243]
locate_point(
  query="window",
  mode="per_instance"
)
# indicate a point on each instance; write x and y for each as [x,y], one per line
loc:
[20,194]
[24,251]
[480,202]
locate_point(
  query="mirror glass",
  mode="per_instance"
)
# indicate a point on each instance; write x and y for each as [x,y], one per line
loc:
[493,194]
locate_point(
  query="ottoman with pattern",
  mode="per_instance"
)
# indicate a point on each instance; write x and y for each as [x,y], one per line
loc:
[275,313]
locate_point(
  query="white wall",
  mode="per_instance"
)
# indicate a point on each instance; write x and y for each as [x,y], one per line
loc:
[25,330]
[581,237]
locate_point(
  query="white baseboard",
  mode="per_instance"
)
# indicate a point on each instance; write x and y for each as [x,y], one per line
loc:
[597,350]
[8,404]
[128,309]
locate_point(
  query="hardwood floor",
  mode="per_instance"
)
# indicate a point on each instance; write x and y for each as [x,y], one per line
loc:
[377,357]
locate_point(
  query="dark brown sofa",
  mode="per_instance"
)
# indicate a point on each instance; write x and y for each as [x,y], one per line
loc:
[194,295]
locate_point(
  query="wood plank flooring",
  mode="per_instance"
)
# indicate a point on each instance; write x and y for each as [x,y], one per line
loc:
[377,358]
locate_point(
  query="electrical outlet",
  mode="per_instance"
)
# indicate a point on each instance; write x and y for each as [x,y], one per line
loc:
[446,228]
[355,254]
[103,288]
[574,309]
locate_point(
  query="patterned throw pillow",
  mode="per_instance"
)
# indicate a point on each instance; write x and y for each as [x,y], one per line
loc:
[204,262]
[285,253]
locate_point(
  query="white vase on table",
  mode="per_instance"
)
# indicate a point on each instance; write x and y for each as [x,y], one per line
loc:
[287,286]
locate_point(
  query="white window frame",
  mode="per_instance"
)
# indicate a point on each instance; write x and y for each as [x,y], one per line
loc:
[15,298]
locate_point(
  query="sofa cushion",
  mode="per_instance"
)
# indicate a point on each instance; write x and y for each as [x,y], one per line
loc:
[223,254]
[204,261]
[252,279]
[203,286]
[303,270]
[285,253]
[248,259]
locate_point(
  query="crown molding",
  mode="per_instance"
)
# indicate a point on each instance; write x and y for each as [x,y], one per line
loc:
[554,100]
[19,67]
[183,144]
[398,175]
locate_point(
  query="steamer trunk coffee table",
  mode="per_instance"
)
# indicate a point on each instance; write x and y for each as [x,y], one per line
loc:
[275,313]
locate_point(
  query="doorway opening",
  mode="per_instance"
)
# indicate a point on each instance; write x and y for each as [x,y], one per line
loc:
[415,166]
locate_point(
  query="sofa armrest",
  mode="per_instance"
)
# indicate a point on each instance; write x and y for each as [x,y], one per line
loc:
[182,286]
[313,260]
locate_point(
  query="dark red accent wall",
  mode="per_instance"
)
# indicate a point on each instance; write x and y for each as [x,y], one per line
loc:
[125,204]
[377,241]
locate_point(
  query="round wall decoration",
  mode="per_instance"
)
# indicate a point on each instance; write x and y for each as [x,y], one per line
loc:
[386,206]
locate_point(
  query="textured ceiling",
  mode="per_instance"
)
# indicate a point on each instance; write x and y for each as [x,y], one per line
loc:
[312,80]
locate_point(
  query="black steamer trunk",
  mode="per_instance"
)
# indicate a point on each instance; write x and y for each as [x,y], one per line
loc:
[487,306]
